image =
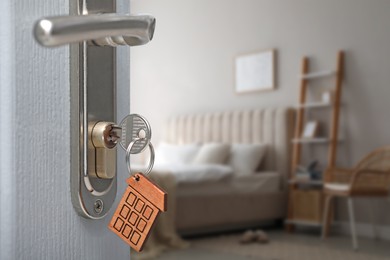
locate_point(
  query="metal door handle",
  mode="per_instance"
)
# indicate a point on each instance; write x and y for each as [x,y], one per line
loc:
[99,29]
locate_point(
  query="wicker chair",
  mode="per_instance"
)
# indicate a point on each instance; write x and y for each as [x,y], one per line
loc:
[370,178]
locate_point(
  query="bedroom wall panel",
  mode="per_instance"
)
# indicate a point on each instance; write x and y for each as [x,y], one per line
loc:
[268,135]
[187,129]
[189,133]
[207,128]
[180,136]
[226,127]
[257,131]
[171,131]
[283,137]
[246,130]
[199,134]
[236,127]
[216,133]
[192,137]
[270,126]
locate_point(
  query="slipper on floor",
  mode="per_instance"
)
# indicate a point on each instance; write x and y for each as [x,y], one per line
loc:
[261,236]
[248,237]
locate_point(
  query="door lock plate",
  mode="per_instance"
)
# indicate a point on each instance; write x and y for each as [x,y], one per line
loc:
[93,30]
[93,99]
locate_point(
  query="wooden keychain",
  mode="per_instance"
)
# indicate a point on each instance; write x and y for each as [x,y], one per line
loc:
[140,205]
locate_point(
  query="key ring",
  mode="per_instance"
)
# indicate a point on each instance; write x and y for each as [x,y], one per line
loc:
[128,153]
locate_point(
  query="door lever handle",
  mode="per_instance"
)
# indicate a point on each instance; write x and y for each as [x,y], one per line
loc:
[98,29]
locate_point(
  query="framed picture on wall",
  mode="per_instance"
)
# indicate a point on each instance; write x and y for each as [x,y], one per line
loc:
[255,71]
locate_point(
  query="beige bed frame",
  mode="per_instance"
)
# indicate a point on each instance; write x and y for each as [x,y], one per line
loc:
[273,126]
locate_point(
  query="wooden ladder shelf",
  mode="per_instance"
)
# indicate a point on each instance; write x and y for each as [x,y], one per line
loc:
[332,141]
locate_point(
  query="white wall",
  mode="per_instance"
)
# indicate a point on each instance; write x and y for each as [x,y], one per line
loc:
[188,67]
[37,219]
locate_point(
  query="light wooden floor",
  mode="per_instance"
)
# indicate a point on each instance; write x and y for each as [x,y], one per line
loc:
[283,246]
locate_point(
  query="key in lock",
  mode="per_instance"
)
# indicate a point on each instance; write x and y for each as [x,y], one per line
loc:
[104,137]
[135,126]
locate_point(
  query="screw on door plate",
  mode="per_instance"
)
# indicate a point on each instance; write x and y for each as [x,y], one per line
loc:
[98,206]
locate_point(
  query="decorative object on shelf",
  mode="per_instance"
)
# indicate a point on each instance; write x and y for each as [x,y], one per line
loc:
[309,173]
[311,129]
[255,71]
[327,97]
[301,174]
[315,173]
[305,197]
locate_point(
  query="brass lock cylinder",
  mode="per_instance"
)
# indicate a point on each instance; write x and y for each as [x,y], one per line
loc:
[104,154]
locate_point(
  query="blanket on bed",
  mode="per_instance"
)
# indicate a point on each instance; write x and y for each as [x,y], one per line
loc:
[195,173]
[164,235]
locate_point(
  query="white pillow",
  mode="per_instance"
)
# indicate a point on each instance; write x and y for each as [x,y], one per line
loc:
[212,153]
[246,158]
[175,154]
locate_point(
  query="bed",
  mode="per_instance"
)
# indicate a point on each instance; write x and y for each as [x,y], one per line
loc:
[235,200]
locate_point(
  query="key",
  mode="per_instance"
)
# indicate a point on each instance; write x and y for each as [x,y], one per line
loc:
[137,211]
[114,134]
[143,200]
[135,126]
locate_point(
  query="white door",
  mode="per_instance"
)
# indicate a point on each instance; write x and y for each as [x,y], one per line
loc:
[37,219]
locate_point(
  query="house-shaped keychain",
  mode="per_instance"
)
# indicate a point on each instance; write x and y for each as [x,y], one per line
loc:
[137,211]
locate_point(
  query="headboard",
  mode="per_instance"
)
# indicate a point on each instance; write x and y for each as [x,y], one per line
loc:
[273,126]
